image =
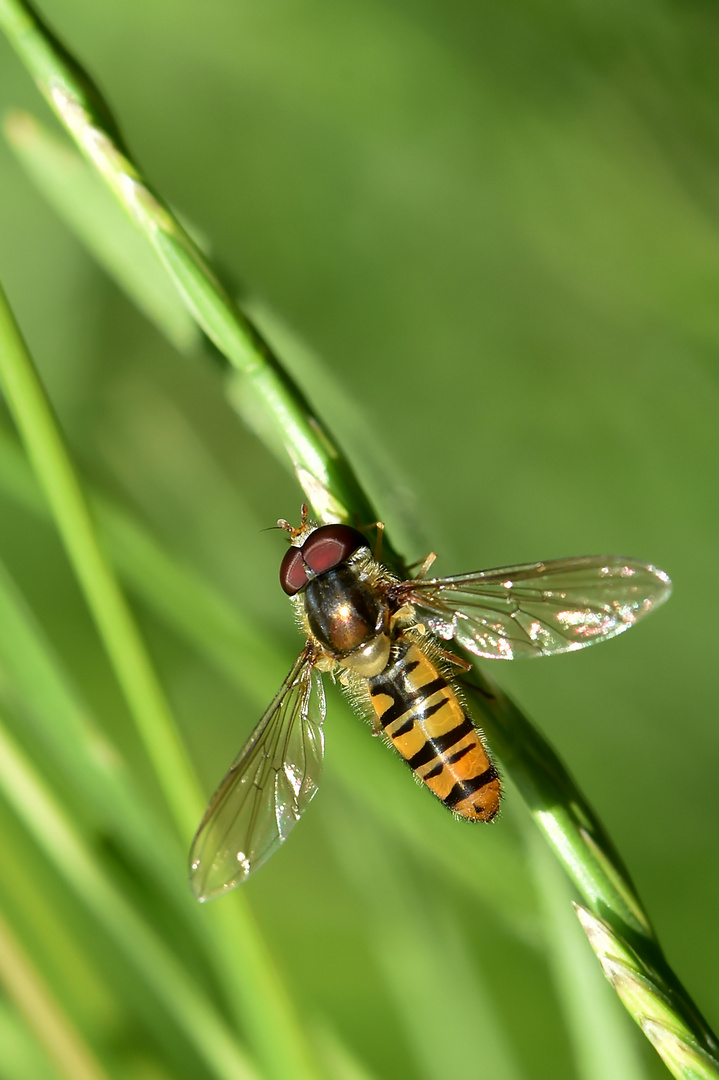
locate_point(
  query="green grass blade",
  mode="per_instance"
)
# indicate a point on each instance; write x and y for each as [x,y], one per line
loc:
[62,724]
[275,1028]
[340,1062]
[326,475]
[603,1043]
[23,1058]
[649,1001]
[54,933]
[95,769]
[34,416]
[560,810]
[62,844]
[72,1056]
[78,195]
[415,946]
[577,837]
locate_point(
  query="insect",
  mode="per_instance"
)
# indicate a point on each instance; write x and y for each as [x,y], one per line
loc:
[382,638]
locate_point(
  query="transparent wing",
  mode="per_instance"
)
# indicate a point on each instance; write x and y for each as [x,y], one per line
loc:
[540,608]
[267,788]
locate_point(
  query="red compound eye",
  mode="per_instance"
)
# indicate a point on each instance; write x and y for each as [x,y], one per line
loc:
[330,545]
[293,575]
[323,549]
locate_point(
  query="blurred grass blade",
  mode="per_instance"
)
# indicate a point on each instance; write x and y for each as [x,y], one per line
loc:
[61,723]
[80,198]
[86,205]
[340,1062]
[493,871]
[277,1033]
[23,1058]
[411,948]
[604,1044]
[53,929]
[560,810]
[295,432]
[72,1056]
[577,836]
[35,419]
[55,834]
[650,1002]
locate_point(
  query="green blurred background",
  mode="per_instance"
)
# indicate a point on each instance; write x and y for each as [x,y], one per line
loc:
[487,240]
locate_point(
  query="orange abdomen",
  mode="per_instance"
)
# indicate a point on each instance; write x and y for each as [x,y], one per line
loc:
[423,717]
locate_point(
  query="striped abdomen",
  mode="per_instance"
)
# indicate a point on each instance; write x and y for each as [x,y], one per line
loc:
[421,714]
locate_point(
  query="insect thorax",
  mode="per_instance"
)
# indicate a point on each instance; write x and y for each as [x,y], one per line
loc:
[348,616]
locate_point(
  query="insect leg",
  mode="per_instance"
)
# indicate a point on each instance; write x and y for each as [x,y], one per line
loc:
[452,658]
[423,564]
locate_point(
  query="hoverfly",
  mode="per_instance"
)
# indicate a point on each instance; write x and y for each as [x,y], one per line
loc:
[382,638]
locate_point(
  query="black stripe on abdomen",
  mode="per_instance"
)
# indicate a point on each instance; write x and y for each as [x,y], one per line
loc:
[422,716]
[464,788]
